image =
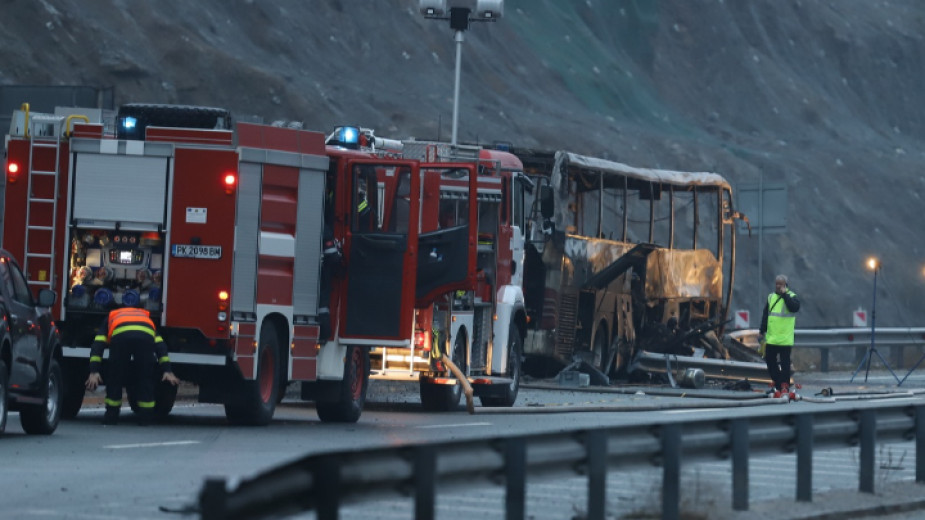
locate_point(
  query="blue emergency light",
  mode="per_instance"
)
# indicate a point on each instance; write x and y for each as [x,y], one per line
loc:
[128,123]
[346,136]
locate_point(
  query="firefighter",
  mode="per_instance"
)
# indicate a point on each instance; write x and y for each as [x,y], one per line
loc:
[133,342]
[776,332]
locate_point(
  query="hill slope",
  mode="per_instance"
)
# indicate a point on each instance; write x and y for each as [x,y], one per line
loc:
[823,96]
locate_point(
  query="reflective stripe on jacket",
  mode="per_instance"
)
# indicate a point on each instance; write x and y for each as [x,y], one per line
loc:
[781,322]
[130,318]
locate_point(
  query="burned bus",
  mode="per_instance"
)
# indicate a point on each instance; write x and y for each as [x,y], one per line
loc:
[623,261]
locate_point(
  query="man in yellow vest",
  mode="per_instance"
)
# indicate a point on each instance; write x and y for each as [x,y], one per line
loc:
[134,347]
[778,322]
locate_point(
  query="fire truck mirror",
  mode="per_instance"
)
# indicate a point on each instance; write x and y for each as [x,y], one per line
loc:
[547,206]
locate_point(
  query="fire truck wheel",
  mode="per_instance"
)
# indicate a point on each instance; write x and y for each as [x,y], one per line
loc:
[352,392]
[514,354]
[4,381]
[43,419]
[254,402]
[445,398]
[72,397]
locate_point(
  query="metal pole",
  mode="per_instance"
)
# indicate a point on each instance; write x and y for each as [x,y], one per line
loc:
[760,232]
[459,42]
[873,320]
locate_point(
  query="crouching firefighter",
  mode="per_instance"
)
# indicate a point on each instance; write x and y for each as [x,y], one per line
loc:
[134,348]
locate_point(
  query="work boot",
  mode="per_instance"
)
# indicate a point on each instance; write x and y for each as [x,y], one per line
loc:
[145,417]
[785,391]
[111,416]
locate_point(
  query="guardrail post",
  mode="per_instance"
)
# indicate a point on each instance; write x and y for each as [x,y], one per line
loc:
[671,471]
[425,481]
[326,476]
[920,444]
[213,499]
[739,433]
[805,458]
[868,437]
[596,449]
[515,466]
[824,359]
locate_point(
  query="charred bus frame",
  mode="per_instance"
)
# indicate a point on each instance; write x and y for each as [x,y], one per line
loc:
[623,260]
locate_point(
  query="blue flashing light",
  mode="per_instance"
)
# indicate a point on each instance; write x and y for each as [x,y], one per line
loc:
[129,123]
[349,135]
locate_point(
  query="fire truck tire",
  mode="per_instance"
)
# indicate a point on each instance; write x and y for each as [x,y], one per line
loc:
[43,419]
[514,364]
[72,397]
[445,398]
[352,392]
[4,395]
[253,402]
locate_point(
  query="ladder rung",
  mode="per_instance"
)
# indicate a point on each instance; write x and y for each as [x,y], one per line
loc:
[41,228]
[38,255]
[37,282]
[44,145]
[44,172]
[45,201]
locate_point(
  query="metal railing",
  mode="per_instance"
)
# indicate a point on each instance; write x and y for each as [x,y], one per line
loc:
[325,482]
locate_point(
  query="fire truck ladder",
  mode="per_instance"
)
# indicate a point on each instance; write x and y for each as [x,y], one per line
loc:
[39,125]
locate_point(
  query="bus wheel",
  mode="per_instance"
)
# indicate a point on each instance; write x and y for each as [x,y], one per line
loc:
[445,398]
[253,402]
[514,362]
[599,353]
[348,405]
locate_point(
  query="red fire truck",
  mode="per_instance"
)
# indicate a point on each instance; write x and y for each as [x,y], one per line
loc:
[468,303]
[218,230]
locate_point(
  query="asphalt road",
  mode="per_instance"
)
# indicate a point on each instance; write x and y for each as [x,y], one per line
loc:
[86,470]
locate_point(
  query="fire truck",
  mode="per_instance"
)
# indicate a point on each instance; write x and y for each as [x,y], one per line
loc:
[218,230]
[463,275]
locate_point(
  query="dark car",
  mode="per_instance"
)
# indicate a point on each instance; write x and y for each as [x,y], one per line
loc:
[30,374]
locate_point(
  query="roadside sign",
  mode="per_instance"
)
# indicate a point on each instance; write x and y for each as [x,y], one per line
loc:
[741,319]
[859,318]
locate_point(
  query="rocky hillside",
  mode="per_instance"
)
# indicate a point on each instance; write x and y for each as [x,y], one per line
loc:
[824,96]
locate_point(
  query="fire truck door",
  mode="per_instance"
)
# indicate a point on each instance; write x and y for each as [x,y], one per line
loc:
[381,252]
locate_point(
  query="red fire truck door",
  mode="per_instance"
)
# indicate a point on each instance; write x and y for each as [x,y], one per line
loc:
[381,252]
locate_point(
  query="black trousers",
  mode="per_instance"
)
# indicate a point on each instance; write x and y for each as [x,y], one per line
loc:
[778,361]
[131,362]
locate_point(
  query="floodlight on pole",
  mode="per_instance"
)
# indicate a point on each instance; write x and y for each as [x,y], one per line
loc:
[873,263]
[460,14]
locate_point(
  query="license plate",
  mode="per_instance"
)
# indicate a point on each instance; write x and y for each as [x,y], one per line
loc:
[191,251]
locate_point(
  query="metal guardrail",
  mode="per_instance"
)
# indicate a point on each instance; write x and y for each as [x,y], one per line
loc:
[896,339]
[324,482]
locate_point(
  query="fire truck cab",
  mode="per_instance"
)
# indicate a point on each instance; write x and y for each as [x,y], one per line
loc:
[467,304]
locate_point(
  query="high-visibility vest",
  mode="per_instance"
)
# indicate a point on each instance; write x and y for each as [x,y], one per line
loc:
[781,322]
[130,318]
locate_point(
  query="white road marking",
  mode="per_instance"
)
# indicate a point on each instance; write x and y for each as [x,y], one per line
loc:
[692,410]
[459,425]
[148,445]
